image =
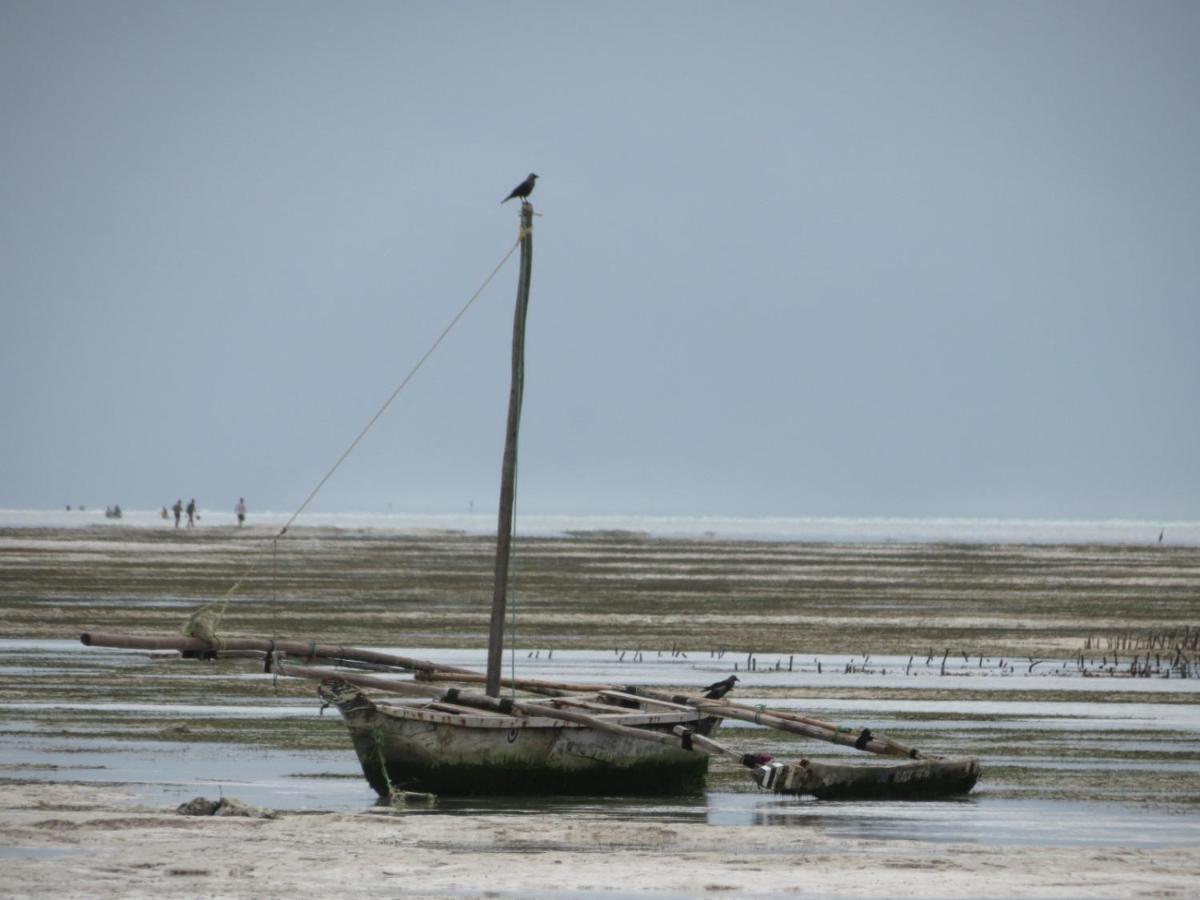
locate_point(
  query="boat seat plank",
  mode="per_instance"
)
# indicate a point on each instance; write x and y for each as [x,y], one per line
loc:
[458,710]
[624,716]
[647,702]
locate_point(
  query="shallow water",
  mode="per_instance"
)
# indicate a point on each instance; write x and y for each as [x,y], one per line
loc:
[1026,799]
[169,773]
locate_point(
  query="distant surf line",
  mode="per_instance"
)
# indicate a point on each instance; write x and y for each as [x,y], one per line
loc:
[832,529]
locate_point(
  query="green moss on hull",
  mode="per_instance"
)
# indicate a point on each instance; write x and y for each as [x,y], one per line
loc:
[462,780]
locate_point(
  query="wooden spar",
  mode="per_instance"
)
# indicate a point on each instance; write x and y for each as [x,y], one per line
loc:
[708,745]
[508,472]
[843,738]
[787,722]
[482,701]
[532,685]
[408,688]
[570,715]
[898,749]
[301,649]
[780,719]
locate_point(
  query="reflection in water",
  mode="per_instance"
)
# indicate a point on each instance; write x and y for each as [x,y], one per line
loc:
[976,819]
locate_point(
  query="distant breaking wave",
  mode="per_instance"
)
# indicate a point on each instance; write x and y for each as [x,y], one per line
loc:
[767,528]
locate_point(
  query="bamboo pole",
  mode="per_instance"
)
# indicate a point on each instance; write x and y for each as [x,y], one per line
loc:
[785,721]
[302,649]
[708,745]
[842,738]
[533,685]
[508,472]
[430,671]
[407,688]
[774,718]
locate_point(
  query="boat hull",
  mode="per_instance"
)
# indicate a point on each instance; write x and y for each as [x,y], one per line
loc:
[417,749]
[917,780]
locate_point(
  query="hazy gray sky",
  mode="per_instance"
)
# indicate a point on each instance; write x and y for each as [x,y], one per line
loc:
[794,258]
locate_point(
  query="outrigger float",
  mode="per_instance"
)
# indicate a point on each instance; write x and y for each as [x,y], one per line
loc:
[450,738]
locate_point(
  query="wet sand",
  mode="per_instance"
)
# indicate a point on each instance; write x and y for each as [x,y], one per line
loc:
[599,590]
[90,785]
[86,842]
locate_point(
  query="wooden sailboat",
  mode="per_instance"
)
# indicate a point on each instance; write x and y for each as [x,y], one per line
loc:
[533,746]
[520,736]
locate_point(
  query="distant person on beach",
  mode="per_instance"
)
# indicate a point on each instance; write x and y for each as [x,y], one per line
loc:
[240,509]
[178,509]
[191,511]
[164,512]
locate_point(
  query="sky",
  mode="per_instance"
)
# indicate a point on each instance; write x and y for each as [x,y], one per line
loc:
[791,259]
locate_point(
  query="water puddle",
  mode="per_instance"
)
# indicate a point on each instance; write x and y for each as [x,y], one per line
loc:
[39,852]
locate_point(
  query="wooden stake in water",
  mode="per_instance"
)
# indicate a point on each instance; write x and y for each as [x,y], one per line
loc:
[508,472]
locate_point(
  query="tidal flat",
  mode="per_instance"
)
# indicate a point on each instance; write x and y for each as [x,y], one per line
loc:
[1020,655]
[600,590]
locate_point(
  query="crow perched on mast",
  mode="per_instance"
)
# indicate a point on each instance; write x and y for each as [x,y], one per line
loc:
[719,689]
[522,190]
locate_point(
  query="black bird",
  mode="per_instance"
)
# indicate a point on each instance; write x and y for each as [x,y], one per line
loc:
[719,689]
[522,190]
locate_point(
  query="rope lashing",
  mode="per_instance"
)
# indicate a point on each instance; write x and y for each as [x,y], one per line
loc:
[378,735]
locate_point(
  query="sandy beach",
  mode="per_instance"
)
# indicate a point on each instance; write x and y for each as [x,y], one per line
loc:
[90,843]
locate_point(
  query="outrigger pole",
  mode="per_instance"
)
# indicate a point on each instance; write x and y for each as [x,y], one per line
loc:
[508,473]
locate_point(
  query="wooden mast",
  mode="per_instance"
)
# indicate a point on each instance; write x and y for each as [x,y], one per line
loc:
[508,472]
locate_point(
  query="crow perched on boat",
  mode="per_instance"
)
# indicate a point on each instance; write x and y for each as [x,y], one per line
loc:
[522,190]
[719,689]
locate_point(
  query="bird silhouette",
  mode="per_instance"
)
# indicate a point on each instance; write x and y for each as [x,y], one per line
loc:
[719,689]
[522,190]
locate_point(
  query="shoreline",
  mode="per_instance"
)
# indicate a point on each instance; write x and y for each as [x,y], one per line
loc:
[798,529]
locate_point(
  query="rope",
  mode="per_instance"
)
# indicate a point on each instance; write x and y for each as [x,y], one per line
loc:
[375,418]
[378,735]
[403,384]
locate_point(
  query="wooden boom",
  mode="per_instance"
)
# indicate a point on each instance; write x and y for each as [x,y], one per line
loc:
[301,649]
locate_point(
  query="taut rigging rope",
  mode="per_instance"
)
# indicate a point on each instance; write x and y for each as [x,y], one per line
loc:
[375,418]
